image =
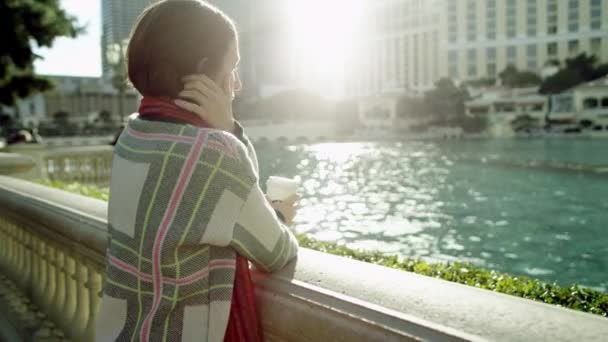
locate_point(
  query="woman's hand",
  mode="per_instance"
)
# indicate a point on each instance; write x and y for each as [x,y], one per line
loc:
[288,208]
[203,97]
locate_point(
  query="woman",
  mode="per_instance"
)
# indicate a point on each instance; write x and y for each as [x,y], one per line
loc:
[185,210]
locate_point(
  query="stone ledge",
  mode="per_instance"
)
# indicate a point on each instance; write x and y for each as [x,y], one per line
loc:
[320,296]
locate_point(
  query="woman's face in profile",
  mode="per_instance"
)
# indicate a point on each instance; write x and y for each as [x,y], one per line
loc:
[229,76]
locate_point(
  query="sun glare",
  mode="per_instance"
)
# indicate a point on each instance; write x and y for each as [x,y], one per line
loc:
[323,37]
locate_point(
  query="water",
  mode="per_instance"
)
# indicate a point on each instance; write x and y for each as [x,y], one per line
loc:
[527,207]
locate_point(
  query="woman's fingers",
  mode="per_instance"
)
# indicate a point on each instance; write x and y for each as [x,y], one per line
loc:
[201,88]
[195,96]
[192,107]
[292,201]
[203,83]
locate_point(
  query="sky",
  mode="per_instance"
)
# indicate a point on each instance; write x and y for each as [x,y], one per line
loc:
[80,56]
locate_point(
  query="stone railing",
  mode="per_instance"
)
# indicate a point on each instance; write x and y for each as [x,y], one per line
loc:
[52,247]
[90,164]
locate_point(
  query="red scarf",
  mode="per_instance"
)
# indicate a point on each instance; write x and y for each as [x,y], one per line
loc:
[243,324]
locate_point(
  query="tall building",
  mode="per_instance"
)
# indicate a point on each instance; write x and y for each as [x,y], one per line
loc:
[409,44]
[118,17]
[398,49]
[480,38]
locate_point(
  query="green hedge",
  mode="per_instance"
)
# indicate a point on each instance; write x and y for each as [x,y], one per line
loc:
[573,297]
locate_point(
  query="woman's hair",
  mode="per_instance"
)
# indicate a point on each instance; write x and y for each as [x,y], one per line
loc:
[168,41]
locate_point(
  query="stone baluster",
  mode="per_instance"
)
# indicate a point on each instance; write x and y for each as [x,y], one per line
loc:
[3,243]
[81,313]
[56,311]
[36,269]
[94,284]
[51,274]
[12,250]
[26,275]
[71,291]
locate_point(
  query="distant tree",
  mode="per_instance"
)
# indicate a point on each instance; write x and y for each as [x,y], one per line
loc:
[446,101]
[409,106]
[577,70]
[562,80]
[586,65]
[105,117]
[24,23]
[513,78]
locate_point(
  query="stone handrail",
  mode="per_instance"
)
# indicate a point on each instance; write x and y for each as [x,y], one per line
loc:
[11,163]
[52,247]
[85,164]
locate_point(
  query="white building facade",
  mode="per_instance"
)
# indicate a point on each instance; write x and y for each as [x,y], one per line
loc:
[410,44]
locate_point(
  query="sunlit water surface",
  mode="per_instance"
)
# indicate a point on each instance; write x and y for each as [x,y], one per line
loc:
[527,207]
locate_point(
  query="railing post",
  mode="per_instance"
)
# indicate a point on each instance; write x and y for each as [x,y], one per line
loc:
[56,309]
[43,272]
[36,269]
[81,313]
[4,242]
[71,295]
[49,291]
[94,284]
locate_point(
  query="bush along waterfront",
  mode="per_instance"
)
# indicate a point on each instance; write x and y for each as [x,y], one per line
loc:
[573,297]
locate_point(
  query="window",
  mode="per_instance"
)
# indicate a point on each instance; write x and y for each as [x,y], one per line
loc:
[491,61]
[531,52]
[472,71]
[491,53]
[605,102]
[471,20]
[511,18]
[511,55]
[590,103]
[491,70]
[573,46]
[552,16]
[573,15]
[472,63]
[491,19]
[531,56]
[595,14]
[532,18]
[452,22]
[453,60]
[552,49]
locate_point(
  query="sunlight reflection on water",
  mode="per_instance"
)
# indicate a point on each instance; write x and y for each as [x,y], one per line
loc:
[441,202]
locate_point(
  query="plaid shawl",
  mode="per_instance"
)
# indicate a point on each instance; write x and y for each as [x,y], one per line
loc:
[183,201]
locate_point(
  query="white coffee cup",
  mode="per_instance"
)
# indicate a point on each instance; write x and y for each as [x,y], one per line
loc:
[280,188]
